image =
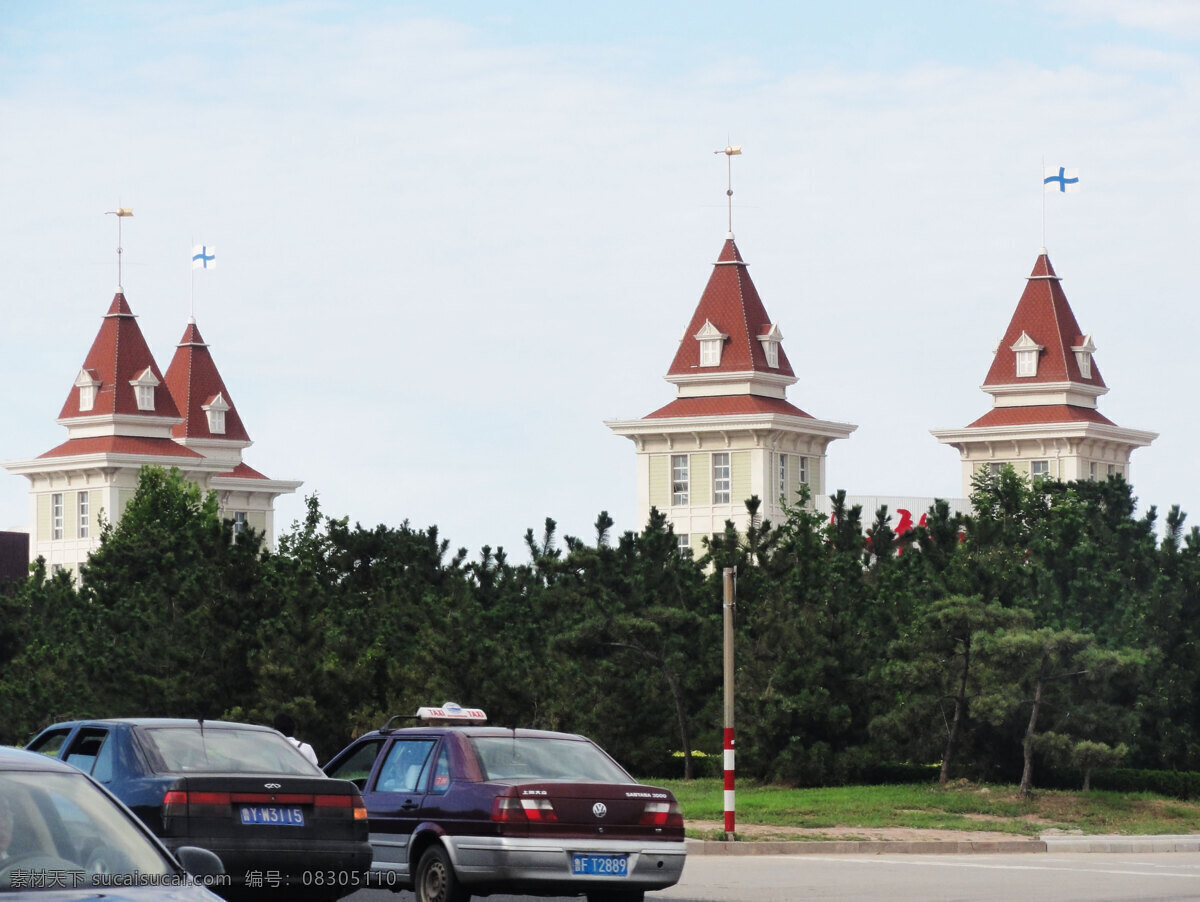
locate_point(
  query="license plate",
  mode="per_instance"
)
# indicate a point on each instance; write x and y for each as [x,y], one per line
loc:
[272,814]
[600,865]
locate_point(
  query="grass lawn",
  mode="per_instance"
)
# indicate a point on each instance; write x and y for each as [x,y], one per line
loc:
[957,807]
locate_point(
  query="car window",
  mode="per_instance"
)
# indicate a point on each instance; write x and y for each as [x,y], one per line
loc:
[61,823]
[192,749]
[441,771]
[545,758]
[404,769]
[356,767]
[87,747]
[50,743]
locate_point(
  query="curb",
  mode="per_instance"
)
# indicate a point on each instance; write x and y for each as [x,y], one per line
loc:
[1052,843]
[863,847]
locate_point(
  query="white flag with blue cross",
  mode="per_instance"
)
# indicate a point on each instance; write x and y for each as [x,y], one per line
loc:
[204,256]
[1061,179]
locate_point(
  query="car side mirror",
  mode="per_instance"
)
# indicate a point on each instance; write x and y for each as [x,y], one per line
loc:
[199,862]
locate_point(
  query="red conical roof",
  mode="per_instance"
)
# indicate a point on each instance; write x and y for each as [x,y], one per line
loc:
[731,303]
[1045,316]
[194,382]
[118,356]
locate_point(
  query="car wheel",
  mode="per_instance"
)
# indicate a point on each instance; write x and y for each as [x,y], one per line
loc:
[436,880]
[618,896]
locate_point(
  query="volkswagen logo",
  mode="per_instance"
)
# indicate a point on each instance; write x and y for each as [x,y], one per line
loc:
[273,785]
[599,809]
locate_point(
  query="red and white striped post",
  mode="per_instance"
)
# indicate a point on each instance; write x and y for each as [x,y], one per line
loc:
[730,807]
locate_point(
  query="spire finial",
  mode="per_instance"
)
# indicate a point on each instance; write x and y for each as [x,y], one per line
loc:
[120,213]
[730,151]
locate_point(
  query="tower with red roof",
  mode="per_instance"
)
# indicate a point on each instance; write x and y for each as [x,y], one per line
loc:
[1044,384]
[122,414]
[730,432]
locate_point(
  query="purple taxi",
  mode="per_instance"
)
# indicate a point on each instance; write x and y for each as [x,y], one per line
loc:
[457,809]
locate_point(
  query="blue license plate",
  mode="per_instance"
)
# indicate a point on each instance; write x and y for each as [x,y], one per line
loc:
[277,815]
[600,865]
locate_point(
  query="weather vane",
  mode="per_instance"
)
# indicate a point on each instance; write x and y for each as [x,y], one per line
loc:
[730,151]
[120,213]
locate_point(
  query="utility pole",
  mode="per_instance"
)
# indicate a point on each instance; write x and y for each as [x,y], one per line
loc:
[729,574]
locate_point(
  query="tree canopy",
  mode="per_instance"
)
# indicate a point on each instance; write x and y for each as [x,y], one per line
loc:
[1051,625]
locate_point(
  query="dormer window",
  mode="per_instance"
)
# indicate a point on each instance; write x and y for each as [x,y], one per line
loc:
[711,341]
[1083,356]
[87,383]
[215,411]
[143,389]
[770,343]
[1027,351]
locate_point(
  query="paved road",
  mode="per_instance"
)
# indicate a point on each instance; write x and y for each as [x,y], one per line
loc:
[1071,877]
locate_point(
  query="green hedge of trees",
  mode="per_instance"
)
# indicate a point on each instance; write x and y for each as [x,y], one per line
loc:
[1053,627]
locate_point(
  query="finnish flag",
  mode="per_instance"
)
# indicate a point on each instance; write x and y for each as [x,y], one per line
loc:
[1061,179]
[204,256]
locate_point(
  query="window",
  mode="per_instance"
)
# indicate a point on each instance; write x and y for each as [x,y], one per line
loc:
[679,479]
[239,522]
[143,388]
[720,466]
[1083,356]
[711,340]
[215,411]
[1027,351]
[781,487]
[804,470]
[56,515]
[406,766]
[683,542]
[85,518]
[1039,469]
[1092,471]
[995,468]
[770,344]
[87,383]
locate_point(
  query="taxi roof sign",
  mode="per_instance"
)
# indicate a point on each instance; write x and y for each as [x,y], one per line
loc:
[451,712]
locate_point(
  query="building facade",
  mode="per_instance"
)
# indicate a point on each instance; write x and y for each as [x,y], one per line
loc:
[122,414]
[1045,384]
[730,432]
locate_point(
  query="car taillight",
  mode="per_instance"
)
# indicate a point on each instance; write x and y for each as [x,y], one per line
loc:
[508,810]
[340,806]
[539,810]
[196,804]
[662,814]
[175,804]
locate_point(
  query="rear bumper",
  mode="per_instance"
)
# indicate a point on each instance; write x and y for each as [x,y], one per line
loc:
[540,864]
[272,863]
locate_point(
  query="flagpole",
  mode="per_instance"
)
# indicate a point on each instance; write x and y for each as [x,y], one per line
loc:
[192,289]
[1041,179]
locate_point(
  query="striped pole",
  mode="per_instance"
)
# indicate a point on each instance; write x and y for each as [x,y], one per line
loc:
[730,807]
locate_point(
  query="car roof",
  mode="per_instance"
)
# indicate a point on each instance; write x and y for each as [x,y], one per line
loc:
[19,759]
[479,731]
[160,722]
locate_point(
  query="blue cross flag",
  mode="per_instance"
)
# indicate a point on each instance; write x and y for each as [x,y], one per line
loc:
[204,256]
[1061,179]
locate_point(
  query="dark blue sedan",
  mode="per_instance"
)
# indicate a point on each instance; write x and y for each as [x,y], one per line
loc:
[243,791]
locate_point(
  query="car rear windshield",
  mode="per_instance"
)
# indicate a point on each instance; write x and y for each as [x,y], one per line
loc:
[190,749]
[545,758]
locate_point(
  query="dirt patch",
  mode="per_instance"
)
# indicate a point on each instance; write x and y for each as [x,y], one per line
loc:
[762,832]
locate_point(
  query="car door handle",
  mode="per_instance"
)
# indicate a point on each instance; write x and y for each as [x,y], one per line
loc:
[410,804]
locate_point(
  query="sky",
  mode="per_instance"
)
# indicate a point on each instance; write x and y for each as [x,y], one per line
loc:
[454,238]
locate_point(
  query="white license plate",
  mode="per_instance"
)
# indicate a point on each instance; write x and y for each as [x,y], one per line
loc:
[277,815]
[600,865]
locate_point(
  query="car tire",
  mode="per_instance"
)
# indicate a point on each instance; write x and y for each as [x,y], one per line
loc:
[436,880]
[635,895]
